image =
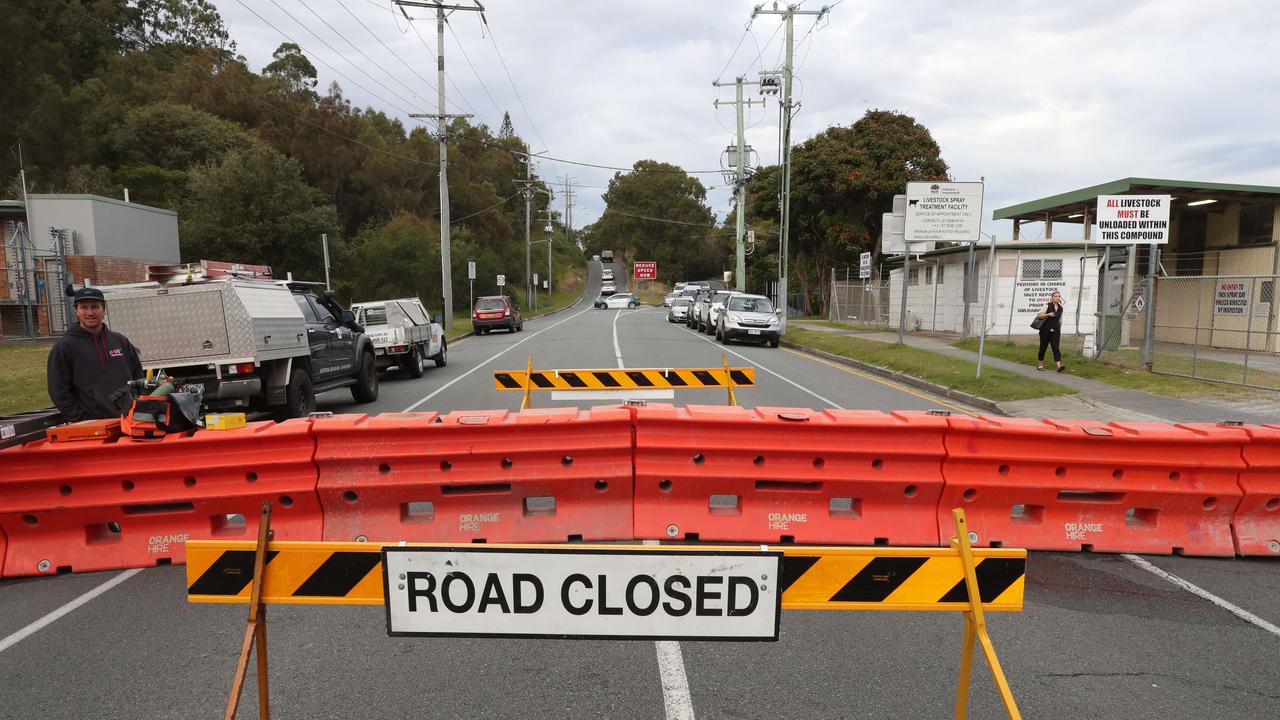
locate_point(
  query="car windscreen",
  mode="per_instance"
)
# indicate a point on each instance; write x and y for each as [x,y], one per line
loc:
[683,302]
[490,304]
[373,316]
[719,297]
[750,304]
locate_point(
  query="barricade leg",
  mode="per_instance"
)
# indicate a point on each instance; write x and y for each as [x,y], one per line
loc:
[975,624]
[255,631]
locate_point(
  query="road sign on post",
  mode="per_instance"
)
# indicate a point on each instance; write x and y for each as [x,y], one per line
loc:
[502,280]
[864,266]
[1133,219]
[645,270]
[943,212]
[471,269]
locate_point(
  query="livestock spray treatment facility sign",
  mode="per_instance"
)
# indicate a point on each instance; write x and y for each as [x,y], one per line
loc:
[582,593]
[1133,219]
[943,212]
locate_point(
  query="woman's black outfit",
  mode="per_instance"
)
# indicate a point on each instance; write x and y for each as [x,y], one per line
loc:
[1050,332]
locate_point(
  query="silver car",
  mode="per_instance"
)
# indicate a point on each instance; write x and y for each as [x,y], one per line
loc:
[709,310]
[751,318]
[679,310]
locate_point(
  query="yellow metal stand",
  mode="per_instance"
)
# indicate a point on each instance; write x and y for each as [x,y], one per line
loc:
[527,402]
[728,377]
[975,625]
[255,632]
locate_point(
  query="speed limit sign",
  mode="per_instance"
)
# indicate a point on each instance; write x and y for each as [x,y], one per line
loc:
[502,280]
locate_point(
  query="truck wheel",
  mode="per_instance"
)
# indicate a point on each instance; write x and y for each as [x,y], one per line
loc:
[415,364]
[299,397]
[366,388]
[442,357]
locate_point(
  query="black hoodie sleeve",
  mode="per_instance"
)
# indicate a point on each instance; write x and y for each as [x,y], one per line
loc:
[135,363]
[59,383]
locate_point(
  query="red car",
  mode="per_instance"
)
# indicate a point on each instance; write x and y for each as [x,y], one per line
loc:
[495,311]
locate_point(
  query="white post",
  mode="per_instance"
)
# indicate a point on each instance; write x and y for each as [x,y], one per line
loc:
[986,301]
[324,240]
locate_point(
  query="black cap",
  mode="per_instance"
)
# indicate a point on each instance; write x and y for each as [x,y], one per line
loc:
[89,293]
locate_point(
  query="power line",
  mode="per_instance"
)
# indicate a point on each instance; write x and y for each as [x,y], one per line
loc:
[142,42]
[414,26]
[354,47]
[393,53]
[608,211]
[503,201]
[321,60]
[467,57]
[494,40]
[332,49]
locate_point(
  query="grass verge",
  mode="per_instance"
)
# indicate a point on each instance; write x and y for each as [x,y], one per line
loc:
[1122,368]
[995,384]
[22,381]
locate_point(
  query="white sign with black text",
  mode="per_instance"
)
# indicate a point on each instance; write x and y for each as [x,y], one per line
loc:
[864,266]
[1133,219]
[502,280]
[943,212]
[582,593]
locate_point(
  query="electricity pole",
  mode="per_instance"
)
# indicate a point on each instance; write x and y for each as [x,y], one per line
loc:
[527,190]
[740,183]
[442,123]
[788,14]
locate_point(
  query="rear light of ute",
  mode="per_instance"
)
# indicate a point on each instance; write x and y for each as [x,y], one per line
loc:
[240,369]
[506,313]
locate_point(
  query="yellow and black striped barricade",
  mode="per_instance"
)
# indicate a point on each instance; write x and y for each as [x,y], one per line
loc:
[806,578]
[530,380]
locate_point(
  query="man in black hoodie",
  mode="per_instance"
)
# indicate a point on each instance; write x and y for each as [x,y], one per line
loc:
[90,362]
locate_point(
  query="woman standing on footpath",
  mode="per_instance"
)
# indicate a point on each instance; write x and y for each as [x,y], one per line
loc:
[1050,325]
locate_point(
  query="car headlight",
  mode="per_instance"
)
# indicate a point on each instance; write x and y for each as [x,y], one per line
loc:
[730,317]
[773,319]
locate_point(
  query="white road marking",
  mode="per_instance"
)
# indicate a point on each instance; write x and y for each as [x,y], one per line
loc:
[617,349]
[619,396]
[758,365]
[675,683]
[1239,612]
[531,336]
[49,619]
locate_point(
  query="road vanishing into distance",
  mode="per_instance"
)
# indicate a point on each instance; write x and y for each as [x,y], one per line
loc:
[1101,636]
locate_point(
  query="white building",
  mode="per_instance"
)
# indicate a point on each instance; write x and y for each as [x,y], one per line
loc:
[1026,273]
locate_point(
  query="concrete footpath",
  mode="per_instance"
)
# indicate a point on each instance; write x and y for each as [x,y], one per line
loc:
[1092,400]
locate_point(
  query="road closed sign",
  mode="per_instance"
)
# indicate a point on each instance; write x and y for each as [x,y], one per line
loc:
[662,593]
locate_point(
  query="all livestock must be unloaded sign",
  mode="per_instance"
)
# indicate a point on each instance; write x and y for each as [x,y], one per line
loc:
[1133,219]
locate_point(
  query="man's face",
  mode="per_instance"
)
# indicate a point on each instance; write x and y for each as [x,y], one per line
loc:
[90,314]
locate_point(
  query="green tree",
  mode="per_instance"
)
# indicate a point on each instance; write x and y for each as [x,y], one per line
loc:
[842,181]
[657,212]
[292,67]
[252,206]
[184,23]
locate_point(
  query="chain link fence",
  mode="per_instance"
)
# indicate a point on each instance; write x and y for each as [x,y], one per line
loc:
[1215,327]
[859,302]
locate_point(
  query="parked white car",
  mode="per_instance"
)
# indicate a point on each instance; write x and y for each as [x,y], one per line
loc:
[709,310]
[619,300]
[751,318]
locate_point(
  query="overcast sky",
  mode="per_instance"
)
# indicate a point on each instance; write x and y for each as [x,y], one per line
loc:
[1039,97]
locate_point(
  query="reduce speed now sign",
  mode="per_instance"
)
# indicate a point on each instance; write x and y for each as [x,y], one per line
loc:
[582,593]
[645,270]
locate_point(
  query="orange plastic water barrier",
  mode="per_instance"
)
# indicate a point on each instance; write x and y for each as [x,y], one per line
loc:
[548,475]
[1257,519]
[118,503]
[1072,485]
[727,473]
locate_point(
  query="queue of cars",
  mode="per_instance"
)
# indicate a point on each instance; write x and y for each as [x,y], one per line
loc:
[727,314]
